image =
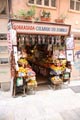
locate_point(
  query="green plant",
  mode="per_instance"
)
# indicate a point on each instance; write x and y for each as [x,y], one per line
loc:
[36,19]
[31,12]
[22,13]
[27,14]
[45,14]
[63,16]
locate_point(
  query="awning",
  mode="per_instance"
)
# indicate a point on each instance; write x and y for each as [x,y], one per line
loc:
[40,28]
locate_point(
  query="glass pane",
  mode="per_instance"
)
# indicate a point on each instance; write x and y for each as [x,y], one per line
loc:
[53,3]
[39,2]
[31,1]
[3,49]
[3,36]
[72,4]
[4,60]
[78,6]
[3,7]
[46,2]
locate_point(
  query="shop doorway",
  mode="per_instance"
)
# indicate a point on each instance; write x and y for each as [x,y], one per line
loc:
[40,50]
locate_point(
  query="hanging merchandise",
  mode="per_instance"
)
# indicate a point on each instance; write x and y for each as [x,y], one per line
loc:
[48,40]
[15,53]
[36,39]
[62,54]
[55,54]
[39,39]
[19,81]
[49,47]
[43,39]
[22,38]
[58,41]
[70,42]
[20,43]
[52,40]
[30,40]
[33,40]
[26,39]
[62,41]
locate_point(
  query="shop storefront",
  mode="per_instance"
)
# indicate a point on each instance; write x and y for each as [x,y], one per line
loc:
[43,45]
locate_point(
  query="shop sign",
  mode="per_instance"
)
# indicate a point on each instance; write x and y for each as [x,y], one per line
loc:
[9,26]
[70,43]
[77,65]
[9,41]
[70,55]
[13,37]
[53,29]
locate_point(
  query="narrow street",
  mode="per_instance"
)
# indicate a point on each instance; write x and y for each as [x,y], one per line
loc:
[46,104]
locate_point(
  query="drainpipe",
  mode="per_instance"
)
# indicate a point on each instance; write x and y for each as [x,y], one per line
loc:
[9,8]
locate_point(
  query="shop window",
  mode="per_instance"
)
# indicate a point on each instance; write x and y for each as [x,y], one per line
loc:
[77,38]
[31,1]
[53,3]
[39,2]
[3,7]
[75,5]
[48,3]
[3,36]
[3,49]
[4,60]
